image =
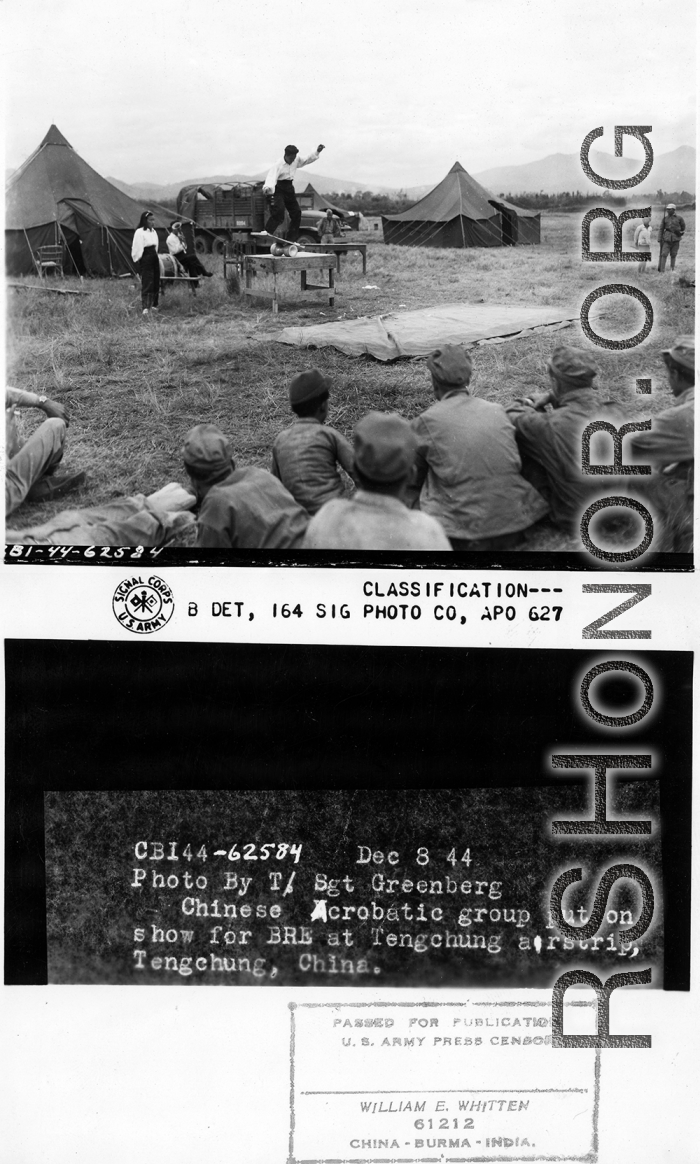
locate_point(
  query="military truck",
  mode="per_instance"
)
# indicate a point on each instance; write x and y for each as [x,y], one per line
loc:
[231,212]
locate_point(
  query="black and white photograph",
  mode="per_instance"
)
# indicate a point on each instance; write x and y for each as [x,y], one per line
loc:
[315,284]
[356,344]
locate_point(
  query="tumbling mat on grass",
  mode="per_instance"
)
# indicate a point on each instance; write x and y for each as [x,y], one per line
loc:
[417,333]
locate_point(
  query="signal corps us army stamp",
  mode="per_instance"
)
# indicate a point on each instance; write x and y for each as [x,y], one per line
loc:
[143,605]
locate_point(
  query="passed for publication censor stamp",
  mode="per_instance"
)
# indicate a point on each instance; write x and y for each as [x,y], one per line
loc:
[427,1083]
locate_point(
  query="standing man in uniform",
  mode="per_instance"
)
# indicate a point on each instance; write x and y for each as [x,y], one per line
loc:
[329,227]
[671,232]
[280,183]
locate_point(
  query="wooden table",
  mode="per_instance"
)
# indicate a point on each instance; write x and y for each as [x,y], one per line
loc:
[303,262]
[339,249]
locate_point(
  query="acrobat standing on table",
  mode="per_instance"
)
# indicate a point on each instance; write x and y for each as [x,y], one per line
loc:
[280,184]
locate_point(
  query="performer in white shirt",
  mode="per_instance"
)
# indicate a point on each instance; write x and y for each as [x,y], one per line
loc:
[280,183]
[177,246]
[144,252]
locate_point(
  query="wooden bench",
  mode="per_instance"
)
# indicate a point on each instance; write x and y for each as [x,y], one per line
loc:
[170,272]
[303,262]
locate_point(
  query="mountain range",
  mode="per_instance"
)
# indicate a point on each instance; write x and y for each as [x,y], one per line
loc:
[551,175]
[153,193]
[559,172]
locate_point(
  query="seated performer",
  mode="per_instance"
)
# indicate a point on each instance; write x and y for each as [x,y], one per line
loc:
[177,247]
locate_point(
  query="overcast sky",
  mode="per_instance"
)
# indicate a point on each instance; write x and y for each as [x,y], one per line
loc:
[164,90]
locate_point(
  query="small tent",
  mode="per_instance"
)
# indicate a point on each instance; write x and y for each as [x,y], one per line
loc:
[461,213]
[310,199]
[56,197]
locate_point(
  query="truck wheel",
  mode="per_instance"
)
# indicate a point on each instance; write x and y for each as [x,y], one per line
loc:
[200,245]
[306,238]
[218,246]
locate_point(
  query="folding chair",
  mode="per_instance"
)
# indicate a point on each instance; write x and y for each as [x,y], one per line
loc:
[50,258]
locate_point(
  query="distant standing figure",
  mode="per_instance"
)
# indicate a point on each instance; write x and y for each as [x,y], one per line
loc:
[329,227]
[280,183]
[177,246]
[642,241]
[144,252]
[671,232]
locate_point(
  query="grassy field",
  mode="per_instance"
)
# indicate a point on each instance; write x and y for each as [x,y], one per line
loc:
[134,385]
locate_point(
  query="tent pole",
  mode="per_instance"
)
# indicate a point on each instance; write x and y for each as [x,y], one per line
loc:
[29,248]
[65,240]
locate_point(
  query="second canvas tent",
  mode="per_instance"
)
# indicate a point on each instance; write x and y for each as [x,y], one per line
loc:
[459,212]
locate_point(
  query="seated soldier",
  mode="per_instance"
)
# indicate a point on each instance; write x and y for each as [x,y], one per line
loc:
[245,509]
[155,520]
[669,448]
[307,456]
[550,442]
[377,518]
[468,465]
[30,473]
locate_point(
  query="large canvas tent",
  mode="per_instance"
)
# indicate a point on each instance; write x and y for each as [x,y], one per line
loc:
[461,213]
[56,197]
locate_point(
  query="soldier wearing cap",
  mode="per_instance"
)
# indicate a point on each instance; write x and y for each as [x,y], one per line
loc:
[671,232]
[280,184]
[550,442]
[239,508]
[468,466]
[670,449]
[306,456]
[377,517]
